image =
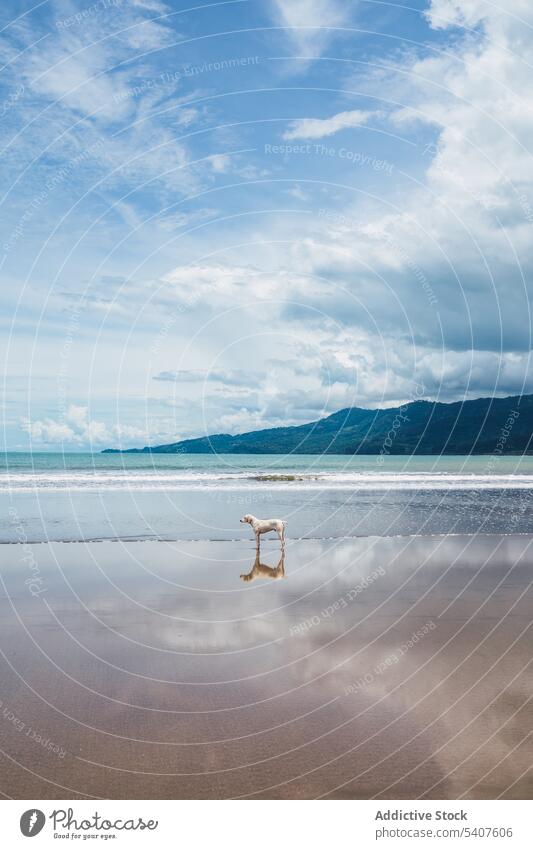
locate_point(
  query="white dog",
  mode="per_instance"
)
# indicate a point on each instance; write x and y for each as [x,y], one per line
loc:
[263,526]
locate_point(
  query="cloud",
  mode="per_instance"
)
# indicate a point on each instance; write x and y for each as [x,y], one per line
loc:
[77,416]
[48,431]
[448,373]
[74,68]
[211,284]
[229,377]
[219,163]
[319,128]
[446,13]
[96,101]
[449,263]
[77,429]
[183,220]
[298,193]
[307,22]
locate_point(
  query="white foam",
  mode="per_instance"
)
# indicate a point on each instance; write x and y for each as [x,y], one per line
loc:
[172,480]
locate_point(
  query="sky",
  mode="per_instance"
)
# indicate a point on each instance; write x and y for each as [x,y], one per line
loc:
[228,216]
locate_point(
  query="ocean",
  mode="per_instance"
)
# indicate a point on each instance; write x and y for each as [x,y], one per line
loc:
[67,497]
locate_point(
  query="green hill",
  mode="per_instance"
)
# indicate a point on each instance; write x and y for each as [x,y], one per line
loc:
[482,426]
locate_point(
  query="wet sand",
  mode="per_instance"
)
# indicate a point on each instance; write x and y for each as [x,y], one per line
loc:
[363,668]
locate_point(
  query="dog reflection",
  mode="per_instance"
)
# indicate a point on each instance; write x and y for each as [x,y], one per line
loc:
[261,570]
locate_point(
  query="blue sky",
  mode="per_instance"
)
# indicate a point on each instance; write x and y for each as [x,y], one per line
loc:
[238,215]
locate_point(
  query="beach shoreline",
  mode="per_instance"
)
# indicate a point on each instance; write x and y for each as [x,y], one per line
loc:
[356,668]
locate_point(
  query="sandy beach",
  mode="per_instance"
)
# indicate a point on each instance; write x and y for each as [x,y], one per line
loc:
[363,668]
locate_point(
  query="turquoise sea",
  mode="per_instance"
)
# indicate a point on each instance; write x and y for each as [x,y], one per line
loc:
[140,496]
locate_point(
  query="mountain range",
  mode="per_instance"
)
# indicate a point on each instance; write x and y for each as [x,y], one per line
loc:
[480,426]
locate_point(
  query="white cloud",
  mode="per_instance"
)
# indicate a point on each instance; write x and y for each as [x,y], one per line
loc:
[210,284]
[152,6]
[476,95]
[219,163]
[449,372]
[77,429]
[81,71]
[77,416]
[445,13]
[319,128]
[228,377]
[73,67]
[298,193]
[308,21]
[241,421]
[452,260]
[48,431]
[182,220]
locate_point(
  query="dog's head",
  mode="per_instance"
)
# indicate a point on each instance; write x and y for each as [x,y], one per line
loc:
[247,518]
